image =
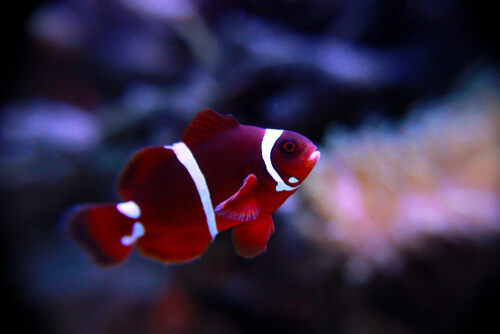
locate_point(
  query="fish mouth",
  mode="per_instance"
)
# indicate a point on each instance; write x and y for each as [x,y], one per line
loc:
[314,157]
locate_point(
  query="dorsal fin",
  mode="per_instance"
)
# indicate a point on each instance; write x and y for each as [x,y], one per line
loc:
[206,124]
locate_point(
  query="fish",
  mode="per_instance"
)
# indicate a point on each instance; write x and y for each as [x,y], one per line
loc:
[175,199]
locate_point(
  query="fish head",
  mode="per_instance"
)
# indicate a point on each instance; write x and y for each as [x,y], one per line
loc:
[294,157]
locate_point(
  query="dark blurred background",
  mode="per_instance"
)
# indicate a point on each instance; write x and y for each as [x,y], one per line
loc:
[395,232]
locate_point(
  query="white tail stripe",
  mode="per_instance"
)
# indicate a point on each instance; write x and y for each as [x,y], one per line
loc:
[268,141]
[186,158]
[137,232]
[129,209]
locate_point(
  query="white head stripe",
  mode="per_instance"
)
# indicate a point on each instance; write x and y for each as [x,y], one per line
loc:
[270,138]
[186,158]
[137,232]
[129,209]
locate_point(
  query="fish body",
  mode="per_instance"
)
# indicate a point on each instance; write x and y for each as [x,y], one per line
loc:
[177,198]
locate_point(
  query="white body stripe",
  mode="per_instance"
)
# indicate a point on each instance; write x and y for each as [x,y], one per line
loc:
[186,158]
[270,138]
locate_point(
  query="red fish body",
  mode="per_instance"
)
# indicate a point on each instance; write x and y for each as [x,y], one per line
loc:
[177,198]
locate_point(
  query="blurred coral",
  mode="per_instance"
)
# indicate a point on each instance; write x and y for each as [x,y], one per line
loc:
[379,192]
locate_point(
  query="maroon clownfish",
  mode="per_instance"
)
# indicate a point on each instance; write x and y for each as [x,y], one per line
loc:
[177,198]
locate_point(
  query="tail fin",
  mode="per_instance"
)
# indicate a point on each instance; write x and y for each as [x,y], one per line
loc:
[99,229]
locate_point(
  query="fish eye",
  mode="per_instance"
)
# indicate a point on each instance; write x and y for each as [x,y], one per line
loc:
[289,146]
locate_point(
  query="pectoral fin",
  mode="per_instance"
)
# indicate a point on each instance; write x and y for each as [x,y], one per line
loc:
[250,238]
[242,205]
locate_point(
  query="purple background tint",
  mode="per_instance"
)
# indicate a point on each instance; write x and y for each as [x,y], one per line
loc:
[85,83]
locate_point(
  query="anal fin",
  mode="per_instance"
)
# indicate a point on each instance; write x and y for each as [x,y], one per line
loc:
[250,238]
